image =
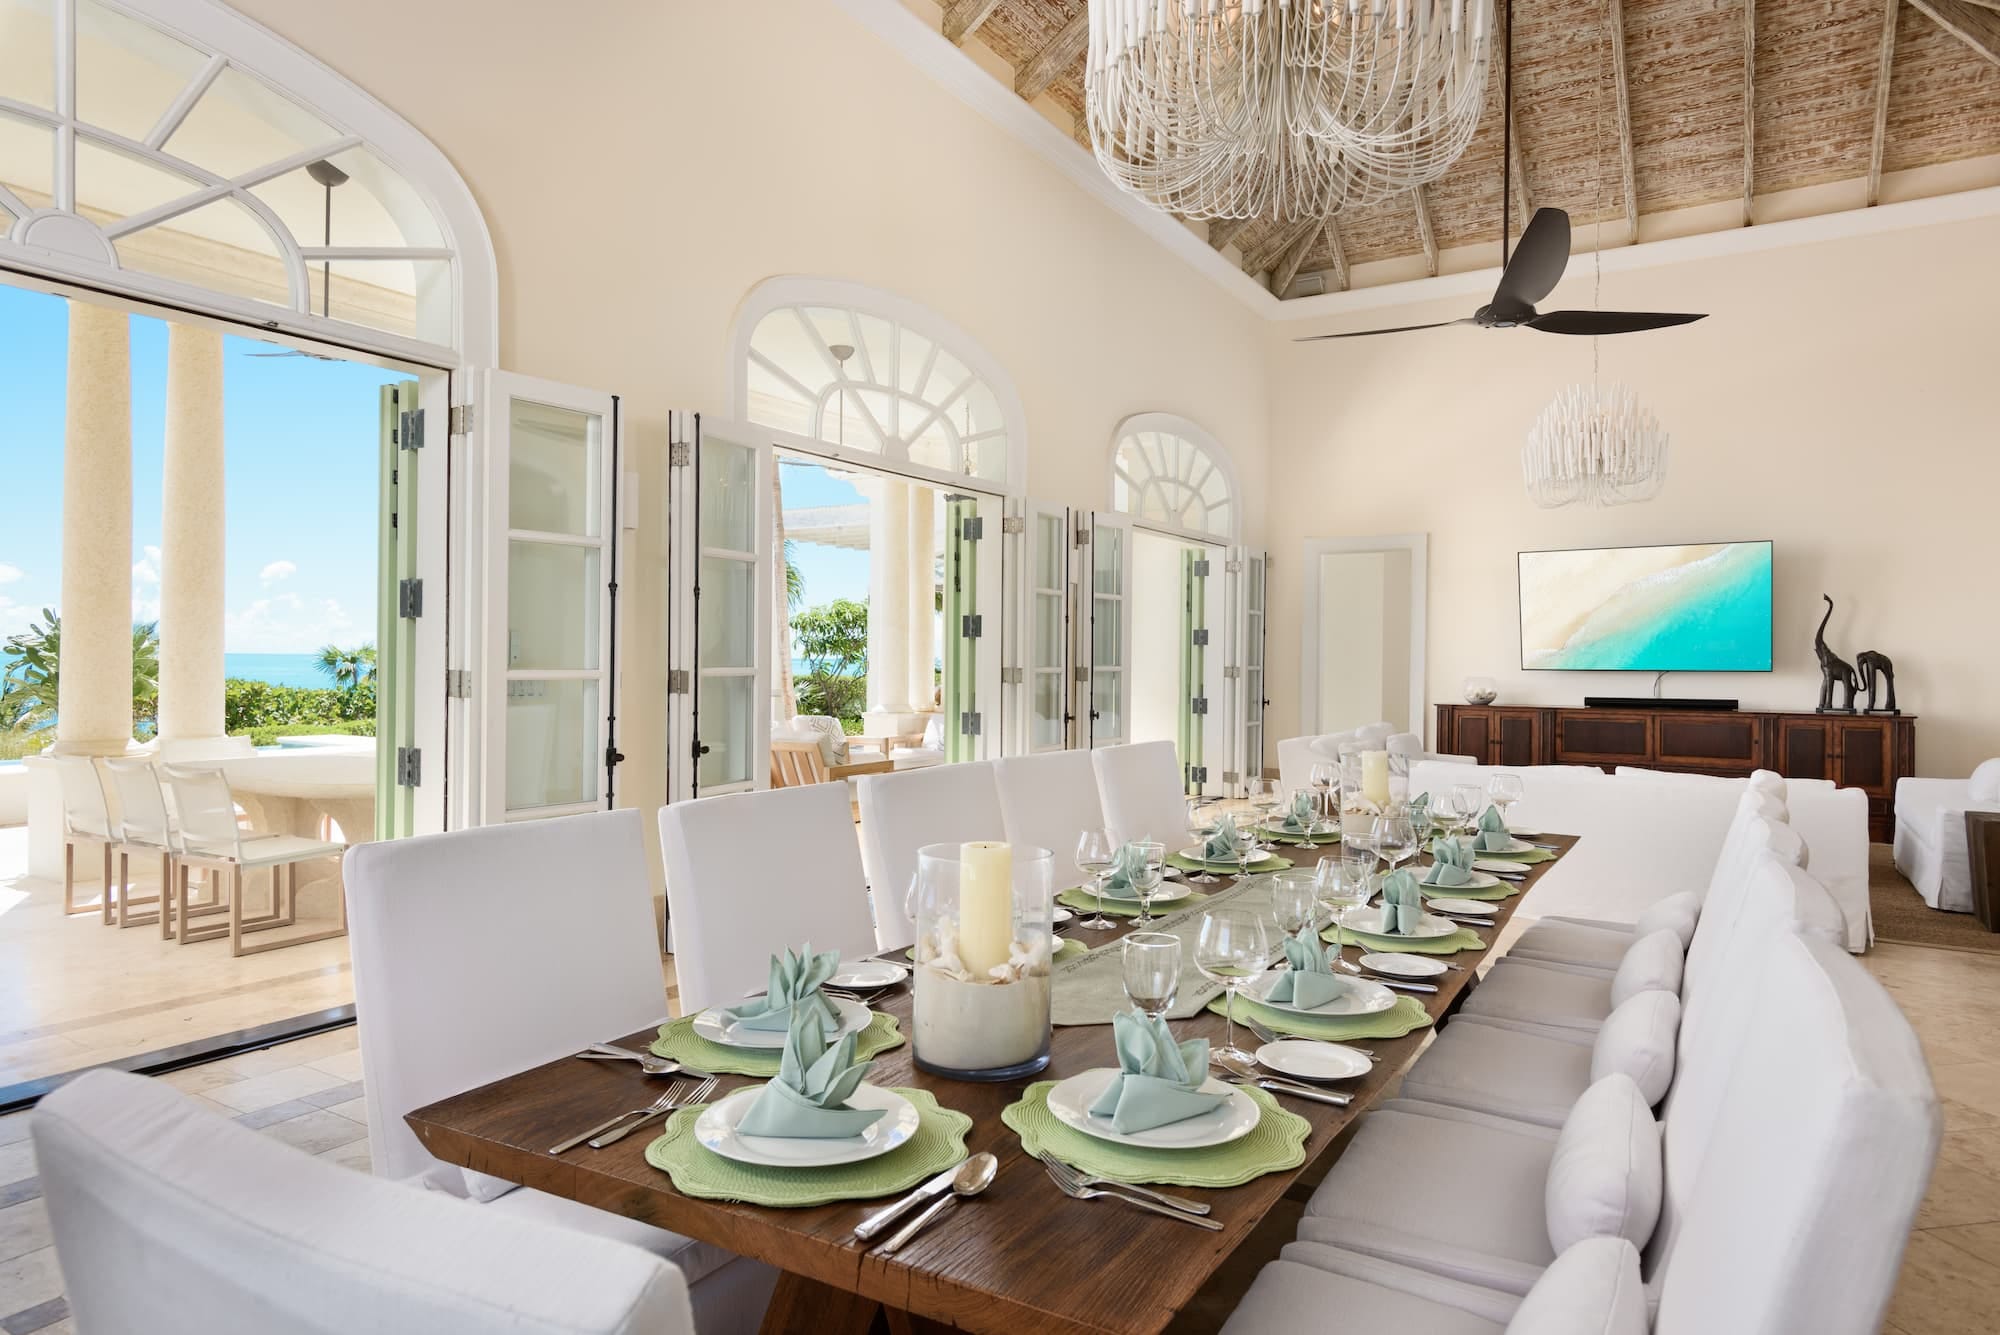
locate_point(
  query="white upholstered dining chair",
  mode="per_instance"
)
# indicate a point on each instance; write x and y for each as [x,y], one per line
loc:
[1047,801]
[485,952]
[1143,791]
[211,838]
[172,1220]
[143,828]
[1930,845]
[900,813]
[749,873]
[86,824]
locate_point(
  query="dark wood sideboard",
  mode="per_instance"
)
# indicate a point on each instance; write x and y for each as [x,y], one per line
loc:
[1865,751]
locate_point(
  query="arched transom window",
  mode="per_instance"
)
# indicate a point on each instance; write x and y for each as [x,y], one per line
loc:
[169,159]
[866,372]
[1168,472]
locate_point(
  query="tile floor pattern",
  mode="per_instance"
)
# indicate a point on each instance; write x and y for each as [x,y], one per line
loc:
[308,1094]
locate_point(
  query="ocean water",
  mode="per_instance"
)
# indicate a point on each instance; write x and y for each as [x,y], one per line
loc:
[1712,615]
[278,669]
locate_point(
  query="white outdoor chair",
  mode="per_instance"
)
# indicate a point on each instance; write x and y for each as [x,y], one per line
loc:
[172,1220]
[900,813]
[752,873]
[144,828]
[211,838]
[1143,792]
[1930,844]
[1047,801]
[86,823]
[485,952]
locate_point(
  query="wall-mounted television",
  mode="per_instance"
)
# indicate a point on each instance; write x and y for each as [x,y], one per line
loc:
[1698,608]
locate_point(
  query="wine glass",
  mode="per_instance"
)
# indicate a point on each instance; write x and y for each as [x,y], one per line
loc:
[1147,880]
[1231,949]
[1262,795]
[1469,800]
[1294,894]
[1152,962]
[1094,851]
[1325,779]
[1341,882]
[1248,850]
[1505,790]
[1394,840]
[1204,818]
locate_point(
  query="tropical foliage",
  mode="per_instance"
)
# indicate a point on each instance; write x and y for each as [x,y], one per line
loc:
[248,705]
[832,641]
[348,667]
[31,689]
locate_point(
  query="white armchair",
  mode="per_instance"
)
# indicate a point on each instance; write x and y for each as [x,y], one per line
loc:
[1930,833]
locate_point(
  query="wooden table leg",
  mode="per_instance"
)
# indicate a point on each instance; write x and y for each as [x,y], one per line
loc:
[800,1304]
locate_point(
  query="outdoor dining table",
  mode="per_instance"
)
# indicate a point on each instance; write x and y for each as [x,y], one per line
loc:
[1021,1258]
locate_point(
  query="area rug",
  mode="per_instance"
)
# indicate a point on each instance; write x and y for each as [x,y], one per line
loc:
[1902,916]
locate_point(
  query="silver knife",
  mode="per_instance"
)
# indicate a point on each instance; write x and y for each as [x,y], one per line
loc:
[1400,985]
[1311,1095]
[889,1214]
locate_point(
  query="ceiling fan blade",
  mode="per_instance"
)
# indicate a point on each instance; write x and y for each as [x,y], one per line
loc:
[1365,333]
[1608,322]
[1537,263]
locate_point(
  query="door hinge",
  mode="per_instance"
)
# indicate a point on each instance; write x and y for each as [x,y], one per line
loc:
[680,454]
[410,599]
[972,528]
[1201,568]
[1198,705]
[409,766]
[968,724]
[1201,635]
[1082,673]
[461,419]
[971,626]
[458,683]
[1013,676]
[410,434]
[1231,673]
[1082,536]
[1197,774]
[679,681]
[1232,567]
[1229,776]
[1013,524]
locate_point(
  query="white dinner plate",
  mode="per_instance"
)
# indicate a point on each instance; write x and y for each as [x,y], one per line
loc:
[1405,966]
[865,974]
[1516,870]
[715,1130]
[1310,1059]
[1520,833]
[716,1027]
[1369,921]
[1062,915]
[1234,1119]
[1513,846]
[1166,894]
[1465,908]
[1480,881]
[1357,996]
[1193,853]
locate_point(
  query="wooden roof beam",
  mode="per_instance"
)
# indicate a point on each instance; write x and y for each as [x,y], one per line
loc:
[1276,243]
[963,17]
[1622,84]
[1975,25]
[1221,231]
[1336,252]
[1750,105]
[1876,145]
[1517,168]
[1425,232]
[1292,259]
[1052,61]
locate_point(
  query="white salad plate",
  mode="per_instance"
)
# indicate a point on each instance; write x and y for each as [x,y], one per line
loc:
[715,1130]
[1405,966]
[1195,853]
[1480,881]
[1372,922]
[864,974]
[1062,915]
[1465,908]
[1233,1119]
[716,1027]
[1310,1059]
[1513,846]
[1166,894]
[1357,996]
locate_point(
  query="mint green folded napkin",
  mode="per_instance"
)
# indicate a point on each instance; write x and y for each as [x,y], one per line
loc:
[1493,831]
[1223,844]
[1159,1081]
[1126,865]
[1310,982]
[1299,817]
[807,1099]
[1452,863]
[1402,903]
[796,978]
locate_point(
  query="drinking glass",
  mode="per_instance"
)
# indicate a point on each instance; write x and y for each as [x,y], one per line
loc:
[1325,780]
[1248,850]
[1147,883]
[1094,851]
[1505,790]
[1262,795]
[1231,949]
[1340,883]
[1204,818]
[1294,894]
[1152,963]
[1394,840]
[1469,800]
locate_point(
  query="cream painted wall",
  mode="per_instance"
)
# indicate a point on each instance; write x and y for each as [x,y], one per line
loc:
[1839,400]
[642,166]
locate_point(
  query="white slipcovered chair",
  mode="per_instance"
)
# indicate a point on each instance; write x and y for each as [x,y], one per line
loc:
[1143,791]
[901,813]
[210,837]
[927,753]
[750,872]
[1327,745]
[143,827]
[86,824]
[1296,757]
[1930,833]
[1046,801]
[172,1220]
[485,952]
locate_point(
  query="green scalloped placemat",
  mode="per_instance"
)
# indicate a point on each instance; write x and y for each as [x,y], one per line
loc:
[1270,862]
[938,1144]
[1068,950]
[1083,902]
[1406,1016]
[1281,837]
[1462,939]
[1276,1143]
[1529,858]
[679,1042]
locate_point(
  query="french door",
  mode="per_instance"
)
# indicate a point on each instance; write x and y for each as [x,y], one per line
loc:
[1040,660]
[1247,572]
[1107,629]
[1201,745]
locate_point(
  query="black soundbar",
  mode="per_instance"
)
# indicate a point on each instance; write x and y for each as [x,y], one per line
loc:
[1656,702]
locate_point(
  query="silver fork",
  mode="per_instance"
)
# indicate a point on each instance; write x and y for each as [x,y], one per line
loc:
[1078,1178]
[1140,1202]
[664,1103]
[700,1092]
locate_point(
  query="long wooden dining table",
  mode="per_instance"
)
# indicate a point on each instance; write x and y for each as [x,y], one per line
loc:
[1020,1258]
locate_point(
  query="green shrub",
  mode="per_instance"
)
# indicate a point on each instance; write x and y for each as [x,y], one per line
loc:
[258,704]
[269,734]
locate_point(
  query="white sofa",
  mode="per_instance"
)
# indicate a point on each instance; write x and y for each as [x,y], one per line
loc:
[1930,833]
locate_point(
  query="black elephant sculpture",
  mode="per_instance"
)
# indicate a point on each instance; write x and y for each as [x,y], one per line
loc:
[1874,669]
[1833,670]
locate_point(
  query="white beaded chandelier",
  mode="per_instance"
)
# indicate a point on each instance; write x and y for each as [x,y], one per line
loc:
[1597,444]
[1286,108]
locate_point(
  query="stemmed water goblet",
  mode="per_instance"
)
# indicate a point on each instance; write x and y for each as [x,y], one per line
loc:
[1146,881]
[1231,949]
[1470,801]
[1152,964]
[1504,790]
[1294,895]
[1204,819]
[1094,852]
[1262,795]
[1325,780]
[1394,839]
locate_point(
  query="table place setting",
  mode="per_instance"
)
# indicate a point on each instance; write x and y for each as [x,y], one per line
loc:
[1452,872]
[1300,824]
[1400,923]
[749,1038]
[1230,849]
[1128,882]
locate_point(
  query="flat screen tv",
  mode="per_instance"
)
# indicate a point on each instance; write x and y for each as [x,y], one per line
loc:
[1700,608]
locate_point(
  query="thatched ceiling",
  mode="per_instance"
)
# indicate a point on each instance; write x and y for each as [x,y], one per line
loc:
[1710,131]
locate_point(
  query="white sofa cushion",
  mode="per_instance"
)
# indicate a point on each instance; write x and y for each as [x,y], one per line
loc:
[1637,1041]
[1541,993]
[1677,913]
[1515,1073]
[1311,1283]
[1653,963]
[1593,1289]
[1604,1178]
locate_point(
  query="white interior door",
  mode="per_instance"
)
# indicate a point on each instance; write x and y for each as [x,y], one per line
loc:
[1107,630]
[549,668]
[721,636]
[1042,665]
[1247,571]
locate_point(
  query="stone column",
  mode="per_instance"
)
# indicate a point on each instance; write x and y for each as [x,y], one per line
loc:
[888,599]
[191,544]
[921,565]
[94,694]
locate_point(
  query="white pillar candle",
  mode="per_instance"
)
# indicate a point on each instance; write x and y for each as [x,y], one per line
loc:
[1375,777]
[985,906]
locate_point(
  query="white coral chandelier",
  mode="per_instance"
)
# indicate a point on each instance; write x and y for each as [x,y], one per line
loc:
[1286,108]
[1594,444]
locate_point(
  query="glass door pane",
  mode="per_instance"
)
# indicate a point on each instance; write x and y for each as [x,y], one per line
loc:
[730,615]
[1048,661]
[1110,630]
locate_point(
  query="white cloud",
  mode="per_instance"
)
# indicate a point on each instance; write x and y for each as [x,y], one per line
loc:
[14,618]
[10,574]
[146,570]
[334,615]
[277,570]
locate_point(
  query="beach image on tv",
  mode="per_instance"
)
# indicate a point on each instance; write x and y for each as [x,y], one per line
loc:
[1648,609]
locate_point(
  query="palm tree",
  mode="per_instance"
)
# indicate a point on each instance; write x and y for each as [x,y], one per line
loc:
[31,689]
[348,667]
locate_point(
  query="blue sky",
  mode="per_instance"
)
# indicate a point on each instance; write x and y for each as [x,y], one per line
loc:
[830,572]
[301,442]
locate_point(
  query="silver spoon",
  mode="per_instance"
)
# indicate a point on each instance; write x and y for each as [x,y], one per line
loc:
[973,1177]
